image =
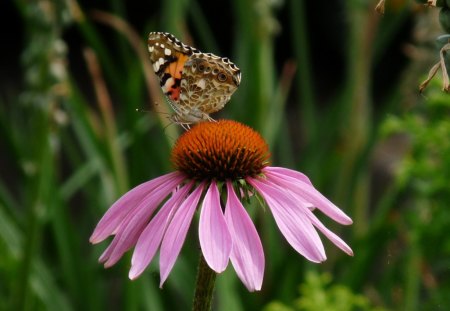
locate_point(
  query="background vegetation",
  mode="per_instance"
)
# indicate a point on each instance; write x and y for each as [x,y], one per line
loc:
[332,86]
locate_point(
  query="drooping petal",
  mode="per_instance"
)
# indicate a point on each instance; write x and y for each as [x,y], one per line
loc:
[215,238]
[117,247]
[288,172]
[247,255]
[293,224]
[126,204]
[330,235]
[107,252]
[176,233]
[308,193]
[133,224]
[294,174]
[151,237]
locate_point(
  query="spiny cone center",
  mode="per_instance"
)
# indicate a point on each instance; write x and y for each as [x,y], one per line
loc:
[220,150]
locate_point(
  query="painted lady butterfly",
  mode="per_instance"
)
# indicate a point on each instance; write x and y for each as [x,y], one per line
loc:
[195,83]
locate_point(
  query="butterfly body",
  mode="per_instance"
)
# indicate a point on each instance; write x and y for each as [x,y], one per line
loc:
[196,84]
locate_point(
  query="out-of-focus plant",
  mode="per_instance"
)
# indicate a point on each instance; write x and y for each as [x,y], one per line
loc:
[423,179]
[319,292]
[33,135]
[442,42]
[68,154]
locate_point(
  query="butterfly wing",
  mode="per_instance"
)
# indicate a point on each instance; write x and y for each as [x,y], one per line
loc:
[195,83]
[168,56]
[208,81]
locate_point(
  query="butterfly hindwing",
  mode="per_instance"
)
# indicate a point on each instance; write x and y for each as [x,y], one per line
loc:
[195,83]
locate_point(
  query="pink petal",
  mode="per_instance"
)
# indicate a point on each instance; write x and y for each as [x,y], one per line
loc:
[131,227]
[118,247]
[330,235]
[215,239]
[294,225]
[151,237]
[247,255]
[107,253]
[126,204]
[288,172]
[294,174]
[176,233]
[308,193]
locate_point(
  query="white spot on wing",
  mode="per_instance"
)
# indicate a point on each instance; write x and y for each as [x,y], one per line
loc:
[167,52]
[156,66]
[166,87]
[201,83]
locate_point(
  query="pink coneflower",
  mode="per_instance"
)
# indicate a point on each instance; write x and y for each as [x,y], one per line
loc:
[217,162]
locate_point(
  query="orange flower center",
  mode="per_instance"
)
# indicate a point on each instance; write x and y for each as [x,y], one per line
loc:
[220,150]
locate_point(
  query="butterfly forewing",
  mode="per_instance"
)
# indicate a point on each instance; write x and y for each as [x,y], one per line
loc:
[195,83]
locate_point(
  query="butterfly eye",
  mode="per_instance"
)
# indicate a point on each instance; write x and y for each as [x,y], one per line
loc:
[222,77]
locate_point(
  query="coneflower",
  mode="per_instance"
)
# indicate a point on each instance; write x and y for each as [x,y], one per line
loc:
[217,162]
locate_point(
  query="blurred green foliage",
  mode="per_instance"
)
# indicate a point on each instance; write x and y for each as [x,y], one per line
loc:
[316,294]
[423,176]
[72,142]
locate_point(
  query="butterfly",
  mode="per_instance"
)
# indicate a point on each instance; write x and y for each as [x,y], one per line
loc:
[195,83]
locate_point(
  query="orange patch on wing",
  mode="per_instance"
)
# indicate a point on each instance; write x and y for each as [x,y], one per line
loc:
[175,93]
[176,68]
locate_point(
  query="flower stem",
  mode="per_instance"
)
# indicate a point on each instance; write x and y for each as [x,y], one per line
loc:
[204,287]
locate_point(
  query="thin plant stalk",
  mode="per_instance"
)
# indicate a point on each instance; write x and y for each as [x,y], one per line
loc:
[204,287]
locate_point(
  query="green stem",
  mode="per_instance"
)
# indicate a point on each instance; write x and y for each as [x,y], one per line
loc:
[357,113]
[305,75]
[204,287]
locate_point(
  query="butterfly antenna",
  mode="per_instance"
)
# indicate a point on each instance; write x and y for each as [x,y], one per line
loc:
[169,124]
[151,110]
[142,110]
